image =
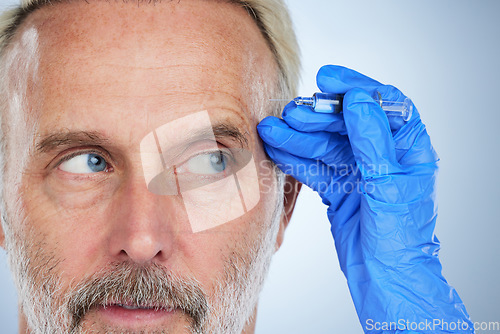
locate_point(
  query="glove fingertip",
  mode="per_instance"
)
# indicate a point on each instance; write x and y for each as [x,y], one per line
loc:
[267,124]
[268,127]
[289,108]
[369,132]
[330,70]
[329,80]
[356,96]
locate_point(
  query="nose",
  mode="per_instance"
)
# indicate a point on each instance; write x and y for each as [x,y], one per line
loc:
[143,225]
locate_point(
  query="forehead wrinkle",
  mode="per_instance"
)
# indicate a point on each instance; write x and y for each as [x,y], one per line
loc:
[79,25]
[80,38]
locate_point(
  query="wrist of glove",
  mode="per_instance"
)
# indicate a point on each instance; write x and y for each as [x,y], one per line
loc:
[377,177]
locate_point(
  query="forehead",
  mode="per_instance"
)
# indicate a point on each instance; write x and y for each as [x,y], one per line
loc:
[109,26]
[110,51]
[93,23]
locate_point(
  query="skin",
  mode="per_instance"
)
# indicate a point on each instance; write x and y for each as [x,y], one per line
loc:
[121,71]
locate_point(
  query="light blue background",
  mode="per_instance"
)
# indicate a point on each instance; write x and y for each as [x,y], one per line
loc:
[444,55]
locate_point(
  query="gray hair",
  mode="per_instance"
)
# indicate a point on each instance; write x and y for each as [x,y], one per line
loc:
[271,16]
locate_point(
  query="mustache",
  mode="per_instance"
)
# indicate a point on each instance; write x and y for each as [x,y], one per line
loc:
[151,286]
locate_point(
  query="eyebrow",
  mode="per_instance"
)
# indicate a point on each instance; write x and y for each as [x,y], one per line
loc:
[223,130]
[92,138]
[71,138]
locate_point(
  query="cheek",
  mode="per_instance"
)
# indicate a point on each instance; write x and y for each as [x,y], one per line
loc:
[67,220]
[208,253]
[73,235]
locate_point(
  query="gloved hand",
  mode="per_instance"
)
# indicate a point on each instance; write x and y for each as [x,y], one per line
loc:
[377,177]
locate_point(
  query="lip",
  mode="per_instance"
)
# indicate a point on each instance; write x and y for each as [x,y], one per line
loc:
[130,315]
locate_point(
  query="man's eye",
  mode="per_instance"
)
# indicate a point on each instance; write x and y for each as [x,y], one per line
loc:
[84,164]
[206,164]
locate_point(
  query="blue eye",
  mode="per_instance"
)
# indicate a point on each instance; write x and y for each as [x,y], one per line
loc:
[84,164]
[208,163]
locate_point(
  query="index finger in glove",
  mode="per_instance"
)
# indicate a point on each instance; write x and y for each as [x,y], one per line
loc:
[369,134]
[331,148]
[339,80]
[305,119]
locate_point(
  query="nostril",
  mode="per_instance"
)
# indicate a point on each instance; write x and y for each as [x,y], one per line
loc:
[141,230]
[142,247]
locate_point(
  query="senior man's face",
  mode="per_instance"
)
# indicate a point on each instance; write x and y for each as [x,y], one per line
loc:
[94,245]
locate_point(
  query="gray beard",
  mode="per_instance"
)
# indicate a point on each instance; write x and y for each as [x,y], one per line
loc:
[228,312]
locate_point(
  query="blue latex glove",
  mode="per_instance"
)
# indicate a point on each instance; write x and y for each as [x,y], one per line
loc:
[377,177]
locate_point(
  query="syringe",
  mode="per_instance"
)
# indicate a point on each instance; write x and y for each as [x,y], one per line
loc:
[332,103]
